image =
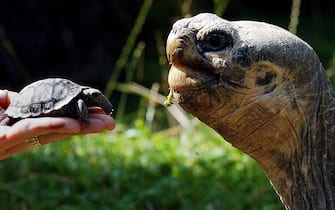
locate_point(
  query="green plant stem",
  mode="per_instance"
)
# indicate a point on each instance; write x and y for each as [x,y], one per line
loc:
[294,19]
[129,45]
[137,55]
[220,6]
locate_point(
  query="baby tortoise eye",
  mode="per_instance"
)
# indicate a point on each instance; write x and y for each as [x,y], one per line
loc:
[215,41]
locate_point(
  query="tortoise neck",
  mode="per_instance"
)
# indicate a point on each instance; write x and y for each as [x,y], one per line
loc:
[310,173]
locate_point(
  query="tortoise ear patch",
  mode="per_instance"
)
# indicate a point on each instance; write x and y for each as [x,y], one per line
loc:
[269,76]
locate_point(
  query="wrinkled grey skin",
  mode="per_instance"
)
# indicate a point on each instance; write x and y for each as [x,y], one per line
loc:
[55,97]
[265,91]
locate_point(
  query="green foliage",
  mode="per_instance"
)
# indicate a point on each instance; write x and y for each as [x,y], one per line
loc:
[220,6]
[128,47]
[134,169]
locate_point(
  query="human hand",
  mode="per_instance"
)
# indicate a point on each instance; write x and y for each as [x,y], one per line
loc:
[13,139]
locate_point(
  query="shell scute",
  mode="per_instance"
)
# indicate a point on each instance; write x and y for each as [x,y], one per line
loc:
[42,97]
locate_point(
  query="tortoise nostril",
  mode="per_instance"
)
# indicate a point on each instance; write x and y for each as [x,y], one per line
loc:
[175,54]
[174,48]
[178,52]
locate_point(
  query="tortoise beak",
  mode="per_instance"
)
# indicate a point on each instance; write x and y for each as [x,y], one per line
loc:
[174,48]
[106,105]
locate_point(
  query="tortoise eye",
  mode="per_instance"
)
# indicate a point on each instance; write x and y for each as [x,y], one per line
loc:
[215,41]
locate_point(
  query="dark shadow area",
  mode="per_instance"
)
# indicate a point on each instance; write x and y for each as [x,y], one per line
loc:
[81,40]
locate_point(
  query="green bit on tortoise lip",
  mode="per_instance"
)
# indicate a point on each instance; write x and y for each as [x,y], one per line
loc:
[169,98]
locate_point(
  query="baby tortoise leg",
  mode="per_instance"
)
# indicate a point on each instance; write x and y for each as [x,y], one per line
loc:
[82,111]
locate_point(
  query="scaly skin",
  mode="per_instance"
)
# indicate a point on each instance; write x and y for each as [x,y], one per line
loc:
[265,91]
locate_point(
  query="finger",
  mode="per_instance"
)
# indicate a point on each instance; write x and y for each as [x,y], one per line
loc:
[37,127]
[97,123]
[59,127]
[18,148]
[24,145]
[108,121]
[43,140]
[4,98]
[10,151]
[45,125]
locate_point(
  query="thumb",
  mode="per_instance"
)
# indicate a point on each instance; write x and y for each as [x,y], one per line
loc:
[4,98]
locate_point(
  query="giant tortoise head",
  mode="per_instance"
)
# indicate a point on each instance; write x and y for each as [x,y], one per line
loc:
[265,91]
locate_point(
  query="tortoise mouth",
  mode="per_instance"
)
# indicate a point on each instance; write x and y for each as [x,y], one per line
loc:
[183,78]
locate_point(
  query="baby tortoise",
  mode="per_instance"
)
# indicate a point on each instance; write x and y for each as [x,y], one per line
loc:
[55,97]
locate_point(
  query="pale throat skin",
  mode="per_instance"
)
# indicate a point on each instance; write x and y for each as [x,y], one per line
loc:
[265,91]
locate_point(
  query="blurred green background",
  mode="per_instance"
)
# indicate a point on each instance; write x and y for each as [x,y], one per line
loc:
[157,157]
